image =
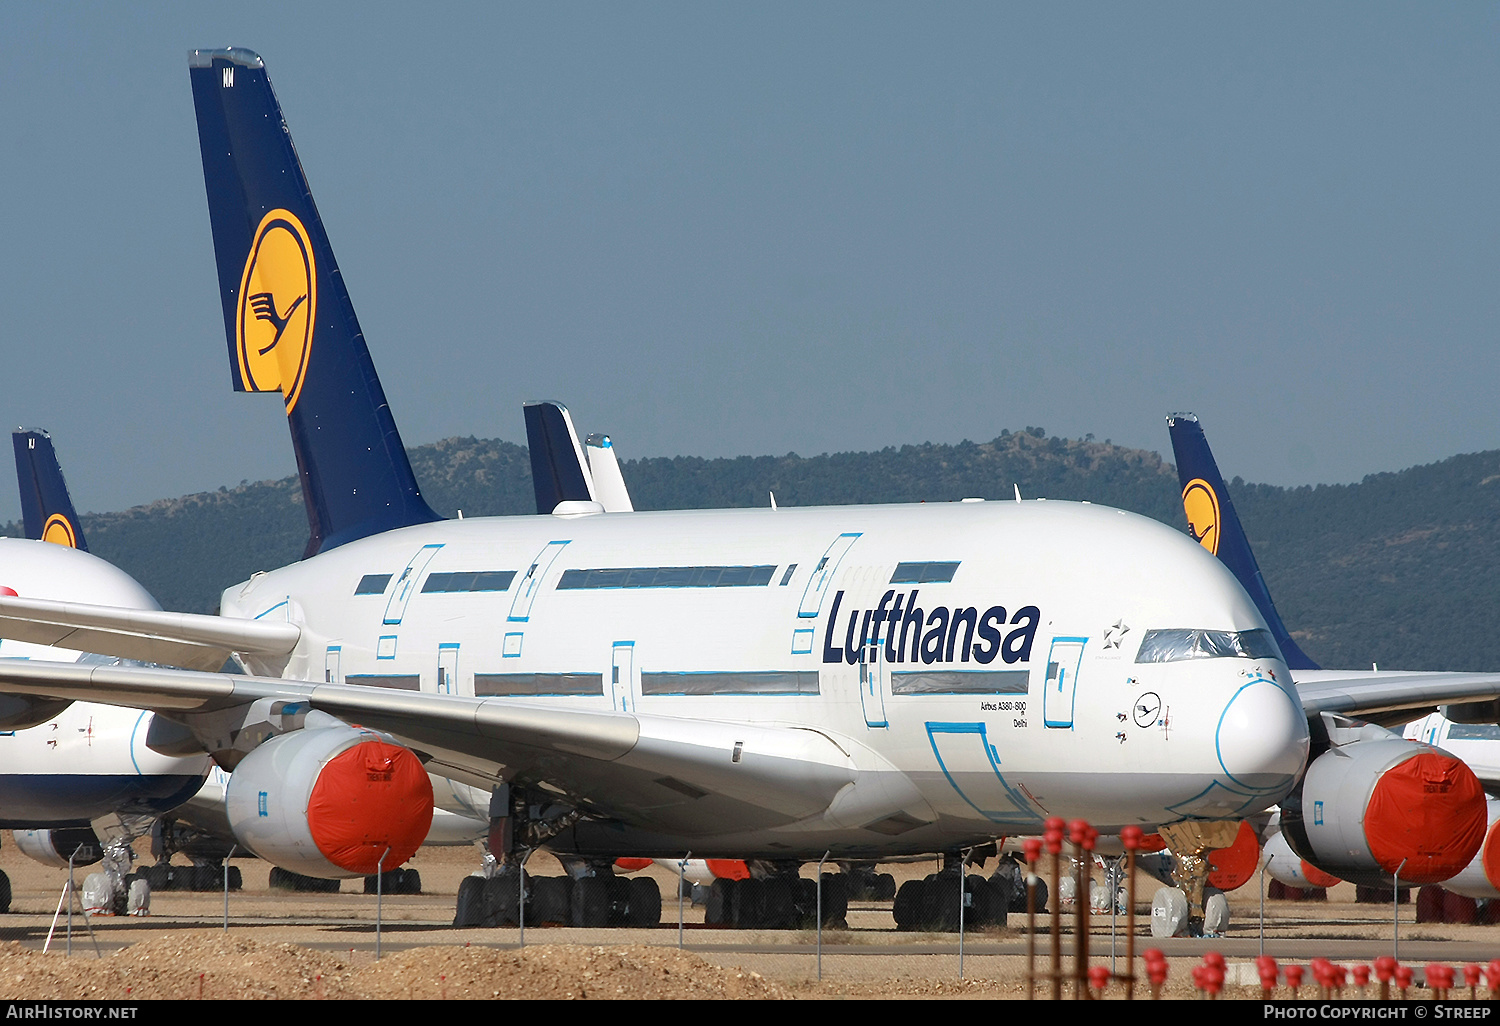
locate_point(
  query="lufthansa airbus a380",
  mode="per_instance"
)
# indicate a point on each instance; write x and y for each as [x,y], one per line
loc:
[867,681]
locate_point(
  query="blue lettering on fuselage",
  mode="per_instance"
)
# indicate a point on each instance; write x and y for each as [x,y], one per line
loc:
[941,635]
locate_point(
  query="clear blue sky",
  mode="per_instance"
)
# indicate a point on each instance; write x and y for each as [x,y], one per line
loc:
[744,229]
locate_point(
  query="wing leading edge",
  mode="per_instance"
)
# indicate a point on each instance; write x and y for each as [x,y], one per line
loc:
[662,773]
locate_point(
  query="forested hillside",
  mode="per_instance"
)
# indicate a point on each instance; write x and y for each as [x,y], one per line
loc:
[1402,568]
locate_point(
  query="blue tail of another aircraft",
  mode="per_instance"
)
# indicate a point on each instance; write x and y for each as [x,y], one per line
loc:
[1213,522]
[559,469]
[288,319]
[46,508]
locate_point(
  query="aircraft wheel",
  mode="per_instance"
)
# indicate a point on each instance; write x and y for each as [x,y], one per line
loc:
[500,901]
[4,893]
[987,902]
[907,908]
[590,905]
[469,909]
[550,901]
[749,899]
[1169,913]
[940,907]
[1215,913]
[645,902]
[137,896]
[885,887]
[836,898]
[718,907]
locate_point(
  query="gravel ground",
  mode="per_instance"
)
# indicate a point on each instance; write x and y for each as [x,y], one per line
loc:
[297,946]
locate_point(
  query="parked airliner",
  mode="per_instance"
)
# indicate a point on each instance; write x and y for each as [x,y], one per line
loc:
[866,681]
[1383,824]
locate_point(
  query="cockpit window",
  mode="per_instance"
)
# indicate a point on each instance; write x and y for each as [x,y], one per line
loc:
[1170,646]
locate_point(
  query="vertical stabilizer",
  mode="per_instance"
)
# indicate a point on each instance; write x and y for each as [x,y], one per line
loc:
[46,508]
[609,483]
[1213,522]
[287,316]
[559,470]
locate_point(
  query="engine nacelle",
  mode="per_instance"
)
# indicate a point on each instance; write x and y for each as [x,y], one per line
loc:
[18,712]
[55,847]
[1481,877]
[1287,867]
[330,801]
[1380,805]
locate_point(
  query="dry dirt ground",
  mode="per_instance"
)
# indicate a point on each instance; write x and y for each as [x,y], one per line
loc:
[294,946]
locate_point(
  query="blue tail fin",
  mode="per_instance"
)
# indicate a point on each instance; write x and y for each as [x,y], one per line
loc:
[1214,523]
[287,316]
[46,509]
[559,469]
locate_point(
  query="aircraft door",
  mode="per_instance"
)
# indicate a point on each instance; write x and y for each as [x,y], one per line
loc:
[526,592]
[447,678]
[1063,662]
[822,576]
[862,584]
[331,673]
[622,676]
[406,586]
[872,678]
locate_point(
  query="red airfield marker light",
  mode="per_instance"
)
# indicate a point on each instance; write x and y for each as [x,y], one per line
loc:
[1404,977]
[1052,836]
[1385,971]
[1078,833]
[1294,979]
[1098,980]
[1265,965]
[1361,979]
[1130,839]
[1492,978]
[1156,970]
[1032,846]
[1472,973]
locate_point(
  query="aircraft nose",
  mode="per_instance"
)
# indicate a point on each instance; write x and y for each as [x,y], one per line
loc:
[1262,737]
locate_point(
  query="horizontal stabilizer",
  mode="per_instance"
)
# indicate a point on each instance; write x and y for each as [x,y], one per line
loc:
[190,640]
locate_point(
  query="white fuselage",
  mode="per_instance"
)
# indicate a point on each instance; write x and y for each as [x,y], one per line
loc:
[1013,696]
[88,759]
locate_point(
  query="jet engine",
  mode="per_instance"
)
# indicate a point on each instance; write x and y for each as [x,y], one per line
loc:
[1379,806]
[54,847]
[1481,877]
[1287,867]
[330,802]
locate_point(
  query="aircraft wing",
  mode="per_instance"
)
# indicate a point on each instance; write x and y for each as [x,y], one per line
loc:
[668,773]
[1381,696]
[191,640]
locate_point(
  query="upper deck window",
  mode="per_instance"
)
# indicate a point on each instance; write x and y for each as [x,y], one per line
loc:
[1474,732]
[469,580]
[667,577]
[924,573]
[1170,646]
[372,584]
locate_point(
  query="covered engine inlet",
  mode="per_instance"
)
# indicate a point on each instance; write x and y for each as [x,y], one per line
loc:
[330,801]
[1378,806]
